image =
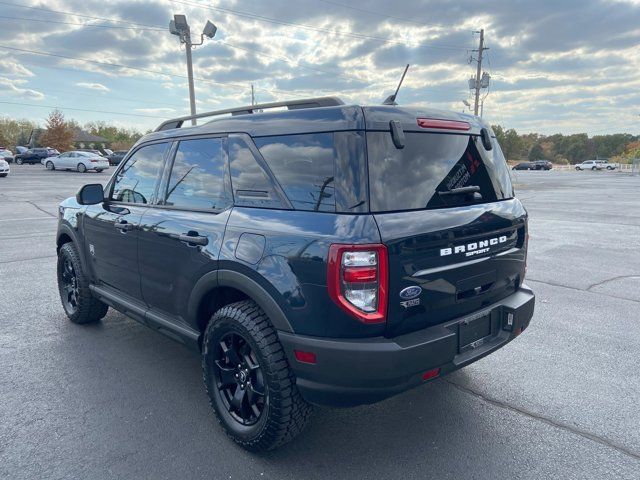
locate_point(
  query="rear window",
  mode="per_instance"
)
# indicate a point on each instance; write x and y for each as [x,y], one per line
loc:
[430,164]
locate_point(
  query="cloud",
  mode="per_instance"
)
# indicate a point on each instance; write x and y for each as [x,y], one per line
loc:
[12,87]
[11,67]
[544,56]
[93,86]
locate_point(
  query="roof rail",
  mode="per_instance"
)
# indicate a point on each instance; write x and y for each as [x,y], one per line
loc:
[290,104]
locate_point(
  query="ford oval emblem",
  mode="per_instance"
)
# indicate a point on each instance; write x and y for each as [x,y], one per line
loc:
[410,292]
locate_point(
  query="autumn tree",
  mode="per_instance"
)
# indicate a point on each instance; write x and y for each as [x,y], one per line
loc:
[59,134]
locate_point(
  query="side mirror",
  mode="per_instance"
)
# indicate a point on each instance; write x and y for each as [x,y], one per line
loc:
[90,194]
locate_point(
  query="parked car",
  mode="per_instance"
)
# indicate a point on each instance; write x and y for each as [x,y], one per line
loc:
[35,155]
[590,165]
[116,157]
[334,258]
[543,165]
[4,168]
[32,156]
[524,166]
[6,155]
[77,160]
[606,165]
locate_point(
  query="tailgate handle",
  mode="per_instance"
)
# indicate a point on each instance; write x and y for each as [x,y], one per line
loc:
[474,292]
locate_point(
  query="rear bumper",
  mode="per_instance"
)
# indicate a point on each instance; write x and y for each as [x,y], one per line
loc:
[360,371]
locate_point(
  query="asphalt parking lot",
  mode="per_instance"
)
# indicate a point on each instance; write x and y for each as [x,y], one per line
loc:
[117,400]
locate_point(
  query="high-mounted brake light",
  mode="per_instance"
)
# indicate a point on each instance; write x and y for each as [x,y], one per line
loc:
[444,124]
[357,279]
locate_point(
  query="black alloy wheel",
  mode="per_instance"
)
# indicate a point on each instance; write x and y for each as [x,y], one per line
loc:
[69,287]
[247,376]
[73,285]
[239,379]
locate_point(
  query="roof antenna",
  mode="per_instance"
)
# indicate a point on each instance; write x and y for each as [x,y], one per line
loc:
[391,99]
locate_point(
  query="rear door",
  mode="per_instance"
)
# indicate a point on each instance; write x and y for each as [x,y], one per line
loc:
[180,238]
[445,209]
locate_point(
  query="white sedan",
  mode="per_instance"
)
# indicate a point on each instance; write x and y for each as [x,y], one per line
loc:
[76,160]
[4,167]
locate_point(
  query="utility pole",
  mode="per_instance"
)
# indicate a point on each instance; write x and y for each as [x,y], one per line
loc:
[192,93]
[253,96]
[481,48]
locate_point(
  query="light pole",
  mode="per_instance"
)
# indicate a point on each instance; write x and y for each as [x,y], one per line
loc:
[179,26]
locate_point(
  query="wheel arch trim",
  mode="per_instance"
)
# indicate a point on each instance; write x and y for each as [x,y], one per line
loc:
[66,230]
[244,284]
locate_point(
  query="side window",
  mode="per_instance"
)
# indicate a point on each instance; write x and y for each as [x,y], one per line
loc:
[251,185]
[136,181]
[304,166]
[197,176]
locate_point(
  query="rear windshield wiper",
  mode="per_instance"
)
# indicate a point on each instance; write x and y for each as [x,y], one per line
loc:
[461,191]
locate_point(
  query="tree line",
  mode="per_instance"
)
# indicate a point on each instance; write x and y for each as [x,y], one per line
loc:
[59,132]
[559,148]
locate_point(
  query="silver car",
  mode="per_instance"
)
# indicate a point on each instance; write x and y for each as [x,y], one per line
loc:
[76,160]
[590,165]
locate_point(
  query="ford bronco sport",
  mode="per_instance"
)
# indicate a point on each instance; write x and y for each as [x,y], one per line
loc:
[317,253]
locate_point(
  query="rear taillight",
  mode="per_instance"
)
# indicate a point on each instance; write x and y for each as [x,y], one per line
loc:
[358,278]
[95,161]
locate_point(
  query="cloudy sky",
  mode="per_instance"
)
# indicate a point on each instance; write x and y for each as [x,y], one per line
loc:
[556,66]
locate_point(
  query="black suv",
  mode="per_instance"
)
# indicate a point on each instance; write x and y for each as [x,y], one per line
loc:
[326,254]
[35,155]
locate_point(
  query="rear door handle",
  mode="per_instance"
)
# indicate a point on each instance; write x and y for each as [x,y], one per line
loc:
[123,226]
[192,238]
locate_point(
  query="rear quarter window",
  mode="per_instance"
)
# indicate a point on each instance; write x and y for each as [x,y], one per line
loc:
[304,167]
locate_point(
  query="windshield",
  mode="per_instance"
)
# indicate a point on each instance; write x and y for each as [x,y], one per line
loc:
[430,165]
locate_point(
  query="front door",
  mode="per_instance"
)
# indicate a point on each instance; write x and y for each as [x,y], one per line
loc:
[180,239]
[112,228]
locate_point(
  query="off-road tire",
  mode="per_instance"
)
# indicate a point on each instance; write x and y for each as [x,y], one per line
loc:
[89,309]
[286,412]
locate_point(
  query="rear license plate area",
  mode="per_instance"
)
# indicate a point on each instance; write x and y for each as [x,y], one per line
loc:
[473,332]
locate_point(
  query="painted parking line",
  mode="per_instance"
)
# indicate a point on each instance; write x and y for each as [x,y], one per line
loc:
[28,218]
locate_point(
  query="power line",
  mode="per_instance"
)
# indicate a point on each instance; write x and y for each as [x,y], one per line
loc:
[118,65]
[112,97]
[84,24]
[319,29]
[380,14]
[60,12]
[82,110]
